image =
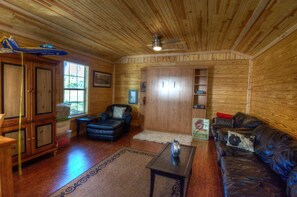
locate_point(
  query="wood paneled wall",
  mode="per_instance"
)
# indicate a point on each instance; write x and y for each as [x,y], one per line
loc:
[274,86]
[228,78]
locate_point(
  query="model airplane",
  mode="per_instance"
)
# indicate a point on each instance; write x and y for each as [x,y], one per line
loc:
[11,46]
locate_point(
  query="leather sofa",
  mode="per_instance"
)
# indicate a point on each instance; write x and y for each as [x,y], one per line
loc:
[271,170]
[110,126]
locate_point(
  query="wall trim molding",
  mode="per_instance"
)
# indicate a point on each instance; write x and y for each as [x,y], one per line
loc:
[183,57]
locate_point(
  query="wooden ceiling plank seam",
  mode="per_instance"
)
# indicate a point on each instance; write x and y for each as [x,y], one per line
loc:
[255,16]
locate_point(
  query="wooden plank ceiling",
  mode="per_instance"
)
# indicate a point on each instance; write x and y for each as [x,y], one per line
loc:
[116,28]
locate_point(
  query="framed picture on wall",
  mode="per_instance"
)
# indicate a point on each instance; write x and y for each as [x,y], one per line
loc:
[200,128]
[101,79]
[133,96]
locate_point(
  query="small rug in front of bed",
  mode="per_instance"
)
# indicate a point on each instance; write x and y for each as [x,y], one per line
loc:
[122,174]
[163,137]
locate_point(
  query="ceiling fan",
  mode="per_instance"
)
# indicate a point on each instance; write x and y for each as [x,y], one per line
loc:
[158,44]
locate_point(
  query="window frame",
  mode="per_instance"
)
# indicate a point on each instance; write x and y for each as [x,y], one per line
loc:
[85,89]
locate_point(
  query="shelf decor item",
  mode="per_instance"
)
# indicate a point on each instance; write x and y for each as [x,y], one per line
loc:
[101,79]
[175,148]
[200,128]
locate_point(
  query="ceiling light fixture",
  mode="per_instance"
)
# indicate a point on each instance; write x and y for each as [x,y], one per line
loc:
[157,45]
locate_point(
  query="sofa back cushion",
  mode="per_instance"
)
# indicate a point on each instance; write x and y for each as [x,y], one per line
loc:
[250,122]
[238,119]
[267,139]
[284,159]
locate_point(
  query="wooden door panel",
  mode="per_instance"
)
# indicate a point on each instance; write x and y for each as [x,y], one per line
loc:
[186,93]
[11,74]
[173,100]
[162,100]
[12,132]
[43,135]
[152,93]
[43,93]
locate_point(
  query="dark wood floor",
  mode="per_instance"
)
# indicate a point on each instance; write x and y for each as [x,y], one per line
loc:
[45,175]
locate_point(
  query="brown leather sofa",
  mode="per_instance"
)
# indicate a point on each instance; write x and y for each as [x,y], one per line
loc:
[271,170]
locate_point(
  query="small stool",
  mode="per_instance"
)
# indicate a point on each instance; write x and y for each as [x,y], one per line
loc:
[105,130]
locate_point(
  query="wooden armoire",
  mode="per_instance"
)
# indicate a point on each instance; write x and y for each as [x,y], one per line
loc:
[38,128]
[169,99]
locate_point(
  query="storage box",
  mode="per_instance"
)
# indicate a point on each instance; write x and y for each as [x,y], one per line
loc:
[64,139]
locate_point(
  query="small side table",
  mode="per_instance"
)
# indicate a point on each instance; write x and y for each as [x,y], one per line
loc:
[86,119]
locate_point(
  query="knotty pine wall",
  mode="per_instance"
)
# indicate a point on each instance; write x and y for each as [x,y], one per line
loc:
[227,85]
[274,85]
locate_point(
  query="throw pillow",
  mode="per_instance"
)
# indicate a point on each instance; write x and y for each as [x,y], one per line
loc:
[241,141]
[222,115]
[118,112]
[223,122]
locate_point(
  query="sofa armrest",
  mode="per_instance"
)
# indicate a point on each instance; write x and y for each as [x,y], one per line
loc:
[127,116]
[223,149]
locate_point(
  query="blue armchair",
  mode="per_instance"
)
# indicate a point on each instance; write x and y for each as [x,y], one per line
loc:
[118,112]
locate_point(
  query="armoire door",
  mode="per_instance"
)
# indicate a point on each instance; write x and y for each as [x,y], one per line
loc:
[43,92]
[43,135]
[12,132]
[11,75]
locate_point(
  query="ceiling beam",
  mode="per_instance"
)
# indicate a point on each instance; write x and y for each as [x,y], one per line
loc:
[256,14]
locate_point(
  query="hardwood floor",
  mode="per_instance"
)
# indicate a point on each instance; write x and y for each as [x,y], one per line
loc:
[45,175]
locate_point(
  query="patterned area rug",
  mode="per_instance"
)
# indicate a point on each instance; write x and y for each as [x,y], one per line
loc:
[163,137]
[122,174]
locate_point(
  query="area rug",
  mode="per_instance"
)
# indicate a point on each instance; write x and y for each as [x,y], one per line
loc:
[122,174]
[163,137]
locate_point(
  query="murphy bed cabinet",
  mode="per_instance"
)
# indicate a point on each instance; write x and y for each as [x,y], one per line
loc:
[169,103]
[38,128]
[200,92]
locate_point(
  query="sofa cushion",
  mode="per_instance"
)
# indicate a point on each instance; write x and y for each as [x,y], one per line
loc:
[267,139]
[247,176]
[223,122]
[245,142]
[107,124]
[250,122]
[118,112]
[284,159]
[223,132]
[238,119]
[223,115]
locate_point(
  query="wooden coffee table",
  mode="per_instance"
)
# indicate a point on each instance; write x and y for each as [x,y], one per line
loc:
[164,165]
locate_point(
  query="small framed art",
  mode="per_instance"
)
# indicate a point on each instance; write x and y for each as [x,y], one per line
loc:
[133,96]
[101,79]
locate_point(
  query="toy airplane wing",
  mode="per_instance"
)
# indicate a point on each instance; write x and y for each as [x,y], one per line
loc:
[11,46]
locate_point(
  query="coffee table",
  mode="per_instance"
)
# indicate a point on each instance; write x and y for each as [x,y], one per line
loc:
[163,164]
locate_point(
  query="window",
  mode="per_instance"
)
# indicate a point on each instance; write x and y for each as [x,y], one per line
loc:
[75,87]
